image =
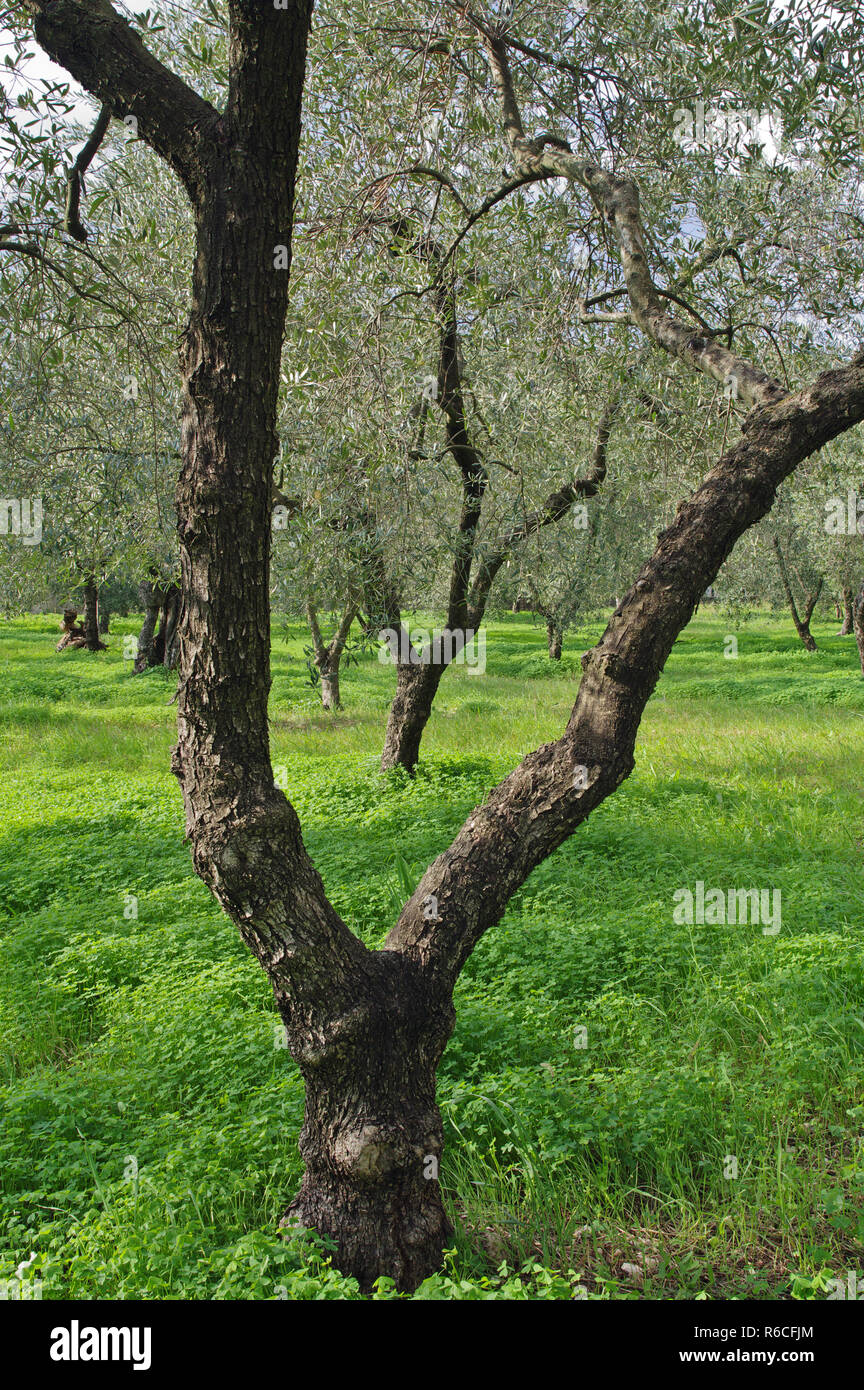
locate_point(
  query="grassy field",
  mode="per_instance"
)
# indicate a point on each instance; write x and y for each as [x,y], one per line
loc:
[150,1117]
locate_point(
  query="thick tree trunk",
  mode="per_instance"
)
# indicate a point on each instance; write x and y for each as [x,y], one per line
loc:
[858,624]
[330,698]
[372,1138]
[364,1028]
[848,602]
[416,687]
[91,617]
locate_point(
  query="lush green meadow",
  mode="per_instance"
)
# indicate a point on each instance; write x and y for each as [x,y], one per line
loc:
[150,1115]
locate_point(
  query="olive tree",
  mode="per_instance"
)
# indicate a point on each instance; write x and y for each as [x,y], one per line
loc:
[368,1027]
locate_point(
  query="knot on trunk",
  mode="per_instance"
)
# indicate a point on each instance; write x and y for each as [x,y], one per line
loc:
[365,1153]
[372,1151]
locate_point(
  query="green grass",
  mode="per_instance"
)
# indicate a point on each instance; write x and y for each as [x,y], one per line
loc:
[150,1120]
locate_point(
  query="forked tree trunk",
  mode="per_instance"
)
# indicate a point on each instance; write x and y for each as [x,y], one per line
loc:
[802,619]
[151,601]
[471,576]
[328,656]
[848,602]
[416,687]
[158,646]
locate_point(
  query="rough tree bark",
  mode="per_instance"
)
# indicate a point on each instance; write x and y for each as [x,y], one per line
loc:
[366,1028]
[802,619]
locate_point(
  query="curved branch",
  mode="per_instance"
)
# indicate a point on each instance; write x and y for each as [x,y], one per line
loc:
[617,199]
[422,171]
[554,789]
[75,177]
[105,54]
[556,506]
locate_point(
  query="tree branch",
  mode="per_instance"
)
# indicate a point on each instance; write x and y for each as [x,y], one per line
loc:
[105,54]
[556,505]
[617,199]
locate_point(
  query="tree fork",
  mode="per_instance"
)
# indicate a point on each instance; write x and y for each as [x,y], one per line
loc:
[800,620]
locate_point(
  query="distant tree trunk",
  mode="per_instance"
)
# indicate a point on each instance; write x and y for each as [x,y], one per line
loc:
[151,601]
[554,637]
[471,575]
[158,646]
[858,624]
[848,603]
[330,696]
[91,617]
[416,687]
[802,620]
[104,619]
[328,656]
[73,631]
[169,634]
